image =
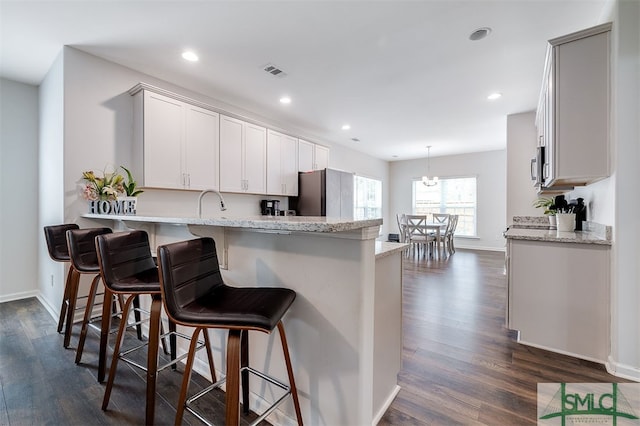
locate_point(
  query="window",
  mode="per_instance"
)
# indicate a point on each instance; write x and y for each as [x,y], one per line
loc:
[450,195]
[368,198]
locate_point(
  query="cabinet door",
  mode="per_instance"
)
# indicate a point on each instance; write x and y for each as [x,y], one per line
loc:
[201,148]
[255,159]
[566,308]
[163,133]
[231,154]
[305,155]
[321,157]
[274,163]
[289,162]
[582,108]
[548,171]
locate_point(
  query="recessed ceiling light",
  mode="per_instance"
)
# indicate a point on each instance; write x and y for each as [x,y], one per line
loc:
[494,96]
[346,127]
[285,100]
[480,33]
[189,56]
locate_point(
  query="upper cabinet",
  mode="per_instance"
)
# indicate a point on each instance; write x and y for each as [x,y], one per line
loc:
[182,143]
[282,164]
[312,156]
[573,111]
[176,143]
[243,156]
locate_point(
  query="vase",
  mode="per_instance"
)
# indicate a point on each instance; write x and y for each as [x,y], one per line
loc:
[552,221]
[129,206]
[566,222]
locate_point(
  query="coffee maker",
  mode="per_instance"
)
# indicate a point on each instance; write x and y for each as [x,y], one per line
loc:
[270,207]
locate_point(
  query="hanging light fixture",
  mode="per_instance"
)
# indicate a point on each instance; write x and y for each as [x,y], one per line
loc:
[429,180]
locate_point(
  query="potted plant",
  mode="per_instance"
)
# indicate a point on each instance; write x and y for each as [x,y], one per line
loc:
[110,193]
[131,191]
[547,203]
[105,187]
[130,186]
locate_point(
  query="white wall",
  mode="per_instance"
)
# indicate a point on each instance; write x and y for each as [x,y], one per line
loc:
[18,186]
[521,148]
[51,192]
[625,354]
[490,170]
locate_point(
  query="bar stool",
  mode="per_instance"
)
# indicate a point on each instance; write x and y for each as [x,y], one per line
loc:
[195,295]
[56,237]
[128,269]
[82,252]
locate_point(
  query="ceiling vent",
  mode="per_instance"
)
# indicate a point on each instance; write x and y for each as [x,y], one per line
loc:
[274,70]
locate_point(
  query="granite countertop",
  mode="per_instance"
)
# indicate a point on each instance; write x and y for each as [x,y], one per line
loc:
[387,248]
[275,223]
[533,229]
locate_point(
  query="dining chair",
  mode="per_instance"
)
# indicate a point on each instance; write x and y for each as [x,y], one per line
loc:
[441,218]
[417,233]
[401,218]
[449,233]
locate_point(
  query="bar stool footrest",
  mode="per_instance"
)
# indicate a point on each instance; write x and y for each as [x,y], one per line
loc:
[122,355]
[263,376]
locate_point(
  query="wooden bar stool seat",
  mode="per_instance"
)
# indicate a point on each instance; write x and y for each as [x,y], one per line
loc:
[195,295]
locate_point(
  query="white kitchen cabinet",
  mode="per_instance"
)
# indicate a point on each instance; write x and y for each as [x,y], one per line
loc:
[312,156]
[573,110]
[282,164]
[559,296]
[243,156]
[176,143]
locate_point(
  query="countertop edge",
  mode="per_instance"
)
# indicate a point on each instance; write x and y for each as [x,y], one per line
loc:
[577,237]
[278,223]
[387,248]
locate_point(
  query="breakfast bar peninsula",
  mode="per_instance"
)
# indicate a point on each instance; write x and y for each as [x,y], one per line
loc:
[345,327]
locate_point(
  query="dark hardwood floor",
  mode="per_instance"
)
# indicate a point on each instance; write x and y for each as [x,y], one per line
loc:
[40,384]
[460,364]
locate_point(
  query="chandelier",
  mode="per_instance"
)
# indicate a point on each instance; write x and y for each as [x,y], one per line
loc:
[429,180]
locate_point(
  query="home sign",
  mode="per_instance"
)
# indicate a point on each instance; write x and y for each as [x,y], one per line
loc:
[122,206]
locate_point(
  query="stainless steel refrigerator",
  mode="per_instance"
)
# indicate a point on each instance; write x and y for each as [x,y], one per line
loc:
[325,192]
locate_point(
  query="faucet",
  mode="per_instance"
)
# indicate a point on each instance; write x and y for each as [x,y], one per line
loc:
[222,206]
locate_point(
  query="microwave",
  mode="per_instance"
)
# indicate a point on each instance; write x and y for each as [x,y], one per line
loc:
[537,168]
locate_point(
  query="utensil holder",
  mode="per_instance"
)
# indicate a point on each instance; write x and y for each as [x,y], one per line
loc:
[566,222]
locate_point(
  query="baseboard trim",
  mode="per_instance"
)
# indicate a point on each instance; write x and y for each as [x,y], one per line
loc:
[17,296]
[571,354]
[55,313]
[387,403]
[624,371]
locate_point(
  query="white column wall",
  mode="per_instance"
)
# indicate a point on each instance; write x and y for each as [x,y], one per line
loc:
[625,354]
[51,190]
[18,186]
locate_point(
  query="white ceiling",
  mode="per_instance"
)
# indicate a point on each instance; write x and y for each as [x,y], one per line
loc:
[403,74]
